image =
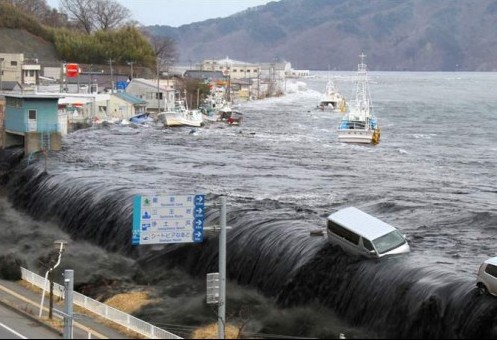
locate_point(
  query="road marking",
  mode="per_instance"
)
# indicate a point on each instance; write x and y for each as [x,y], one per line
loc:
[13,331]
[76,324]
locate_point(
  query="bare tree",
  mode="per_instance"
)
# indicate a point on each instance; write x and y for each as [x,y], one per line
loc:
[54,18]
[33,7]
[110,14]
[80,11]
[165,49]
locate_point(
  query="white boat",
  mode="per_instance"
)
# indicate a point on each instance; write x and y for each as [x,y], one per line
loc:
[359,124]
[182,116]
[331,98]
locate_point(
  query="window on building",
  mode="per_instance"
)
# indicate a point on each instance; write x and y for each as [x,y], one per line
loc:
[32,114]
[13,63]
[158,95]
[31,73]
[235,70]
[13,102]
[255,71]
[248,71]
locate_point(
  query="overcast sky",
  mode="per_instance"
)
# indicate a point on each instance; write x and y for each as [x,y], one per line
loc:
[180,12]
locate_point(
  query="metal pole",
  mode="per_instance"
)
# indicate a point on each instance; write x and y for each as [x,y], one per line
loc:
[1,74]
[68,303]
[158,86]
[111,76]
[221,312]
[61,78]
[50,305]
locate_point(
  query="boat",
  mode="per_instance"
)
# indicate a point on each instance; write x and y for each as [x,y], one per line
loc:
[211,108]
[230,115]
[180,115]
[221,111]
[331,98]
[359,124]
[141,118]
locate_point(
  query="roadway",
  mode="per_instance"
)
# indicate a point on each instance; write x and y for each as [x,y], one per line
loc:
[19,309]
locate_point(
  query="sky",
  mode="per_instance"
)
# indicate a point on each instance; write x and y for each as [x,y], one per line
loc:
[180,12]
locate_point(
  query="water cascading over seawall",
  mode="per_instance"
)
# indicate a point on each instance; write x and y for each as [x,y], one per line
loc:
[270,248]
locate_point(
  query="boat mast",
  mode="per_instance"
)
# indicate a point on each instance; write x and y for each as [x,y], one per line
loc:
[362,91]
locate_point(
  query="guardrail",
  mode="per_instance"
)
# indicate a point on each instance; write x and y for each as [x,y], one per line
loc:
[103,310]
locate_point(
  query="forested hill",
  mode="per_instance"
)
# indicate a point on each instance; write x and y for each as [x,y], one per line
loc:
[397,35]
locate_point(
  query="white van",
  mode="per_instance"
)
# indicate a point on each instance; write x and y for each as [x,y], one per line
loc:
[362,234]
[487,277]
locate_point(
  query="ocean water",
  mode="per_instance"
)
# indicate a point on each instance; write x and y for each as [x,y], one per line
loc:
[283,172]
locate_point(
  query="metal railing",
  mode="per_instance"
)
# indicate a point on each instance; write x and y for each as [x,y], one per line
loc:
[126,320]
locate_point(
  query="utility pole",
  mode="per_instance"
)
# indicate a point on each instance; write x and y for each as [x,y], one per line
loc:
[111,76]
[130,63]
[61,77]
[158,85]
[1,74]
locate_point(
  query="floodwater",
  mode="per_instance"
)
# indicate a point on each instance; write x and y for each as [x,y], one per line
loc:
[283,171]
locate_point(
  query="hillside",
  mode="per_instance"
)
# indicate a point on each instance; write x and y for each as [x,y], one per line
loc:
[397,35]
[21,41]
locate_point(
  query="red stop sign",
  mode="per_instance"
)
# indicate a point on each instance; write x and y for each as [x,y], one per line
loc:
[72,70]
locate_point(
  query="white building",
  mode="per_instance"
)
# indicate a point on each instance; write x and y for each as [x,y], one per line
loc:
[14,67]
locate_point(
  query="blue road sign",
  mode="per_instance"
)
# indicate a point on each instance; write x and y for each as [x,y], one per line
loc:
[166,219]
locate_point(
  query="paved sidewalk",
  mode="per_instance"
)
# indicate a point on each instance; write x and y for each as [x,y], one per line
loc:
[16,296]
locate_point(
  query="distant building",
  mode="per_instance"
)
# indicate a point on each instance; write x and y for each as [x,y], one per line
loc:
[14,67]
[159,97]
[233,68]
[208,76]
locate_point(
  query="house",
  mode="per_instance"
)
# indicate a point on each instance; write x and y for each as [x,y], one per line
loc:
[241,88]
[157,96]
[14,67]
[78,110]
[123,105]
[31,120]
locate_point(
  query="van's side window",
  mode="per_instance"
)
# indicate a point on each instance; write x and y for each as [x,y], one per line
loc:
[367,244]
[491,269]
[342,232]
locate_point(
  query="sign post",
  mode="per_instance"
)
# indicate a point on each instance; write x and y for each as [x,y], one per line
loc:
[221,311]
[168,219]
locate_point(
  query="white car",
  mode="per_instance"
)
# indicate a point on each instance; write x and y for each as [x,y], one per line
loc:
[487,277]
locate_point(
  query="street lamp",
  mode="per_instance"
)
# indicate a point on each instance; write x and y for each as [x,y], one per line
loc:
[59,245]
